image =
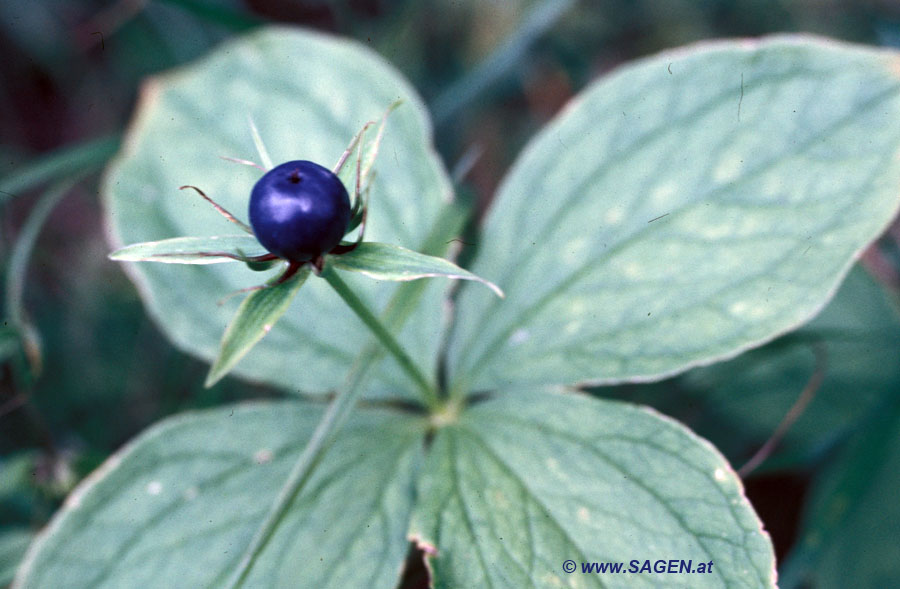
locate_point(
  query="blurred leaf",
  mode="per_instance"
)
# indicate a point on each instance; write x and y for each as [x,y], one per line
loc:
[231,13]
[308,94]
[60,163]
[17,487]
[21,19]
[9,343]
[383,261]
[503,61]
[18,267]
[667,220]
[179,504]
[528,480]
[853,514]
[751,394]
[13,544]
[21,252]
[254,319]
[191,250]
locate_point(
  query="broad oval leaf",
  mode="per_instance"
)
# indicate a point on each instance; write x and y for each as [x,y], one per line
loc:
[308,94]
[682,210]
[177,507]
[215,249]
[526,481]
[383,261]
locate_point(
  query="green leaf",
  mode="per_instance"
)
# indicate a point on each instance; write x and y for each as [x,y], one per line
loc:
[853,513]
[745,398]
[682,210]
[360,157]
[383,261]
[191,250]
[178,505]
[255,318]
[9,343]
[66,161]
[308,95]
[13,543]
[525,481]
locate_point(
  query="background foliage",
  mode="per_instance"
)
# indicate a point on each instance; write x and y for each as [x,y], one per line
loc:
[493,73]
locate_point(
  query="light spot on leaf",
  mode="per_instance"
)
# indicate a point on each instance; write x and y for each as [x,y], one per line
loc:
[263,456]
[191,493]
[519,336]
[614,215]
[583,514]
[716,230]
[633,270]
[575,250]
[720,475]
[500,500]
[551,580]
[154,488]
[577,306]
[729,168]
[747,310]
[661,196]
[773,185]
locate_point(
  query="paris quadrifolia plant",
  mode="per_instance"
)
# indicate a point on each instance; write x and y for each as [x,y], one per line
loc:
[679,212]
[299,213]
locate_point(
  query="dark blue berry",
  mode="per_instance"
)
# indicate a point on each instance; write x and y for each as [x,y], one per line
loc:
[299,210]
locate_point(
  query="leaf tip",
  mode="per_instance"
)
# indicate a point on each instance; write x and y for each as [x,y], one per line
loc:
[497,290]
[212,378]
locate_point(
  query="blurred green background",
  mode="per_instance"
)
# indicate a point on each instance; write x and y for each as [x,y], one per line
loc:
[84,369]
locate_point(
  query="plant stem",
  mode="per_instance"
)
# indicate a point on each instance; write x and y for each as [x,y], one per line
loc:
[499,64]
[18,267]
[384,336]
[339,409]
[334,417]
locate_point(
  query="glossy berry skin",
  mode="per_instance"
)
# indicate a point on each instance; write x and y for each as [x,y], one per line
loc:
[299,210]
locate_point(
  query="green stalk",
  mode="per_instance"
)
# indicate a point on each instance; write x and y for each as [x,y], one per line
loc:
[427,389]
[338,410]
[332,420]
[18,267]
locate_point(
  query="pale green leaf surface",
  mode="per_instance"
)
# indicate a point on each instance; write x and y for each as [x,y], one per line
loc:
[177,507]
[667,220]
[13,543]
[308,94]
[191,250]
[257,316]
[383,261]
[528,480]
